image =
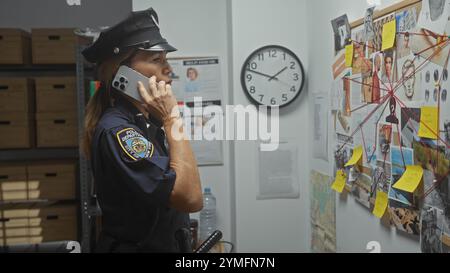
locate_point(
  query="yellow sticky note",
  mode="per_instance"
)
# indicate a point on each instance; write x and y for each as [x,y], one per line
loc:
[428,128]
[349,55]
[380,204]
[339,182]
[389,33]
[356,157]
[410,179]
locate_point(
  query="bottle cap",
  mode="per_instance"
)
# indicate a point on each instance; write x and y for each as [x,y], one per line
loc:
[207,190]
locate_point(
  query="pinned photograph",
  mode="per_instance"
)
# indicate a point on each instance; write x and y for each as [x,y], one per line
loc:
[404,218]
[342,32]
[406,22]
[409,80]
[403,197]
[388,69]
[369,32]
[431,157]
[410,118]
[384,142]
[445,237]
[434,15]
[342,152]
[400,158]
[367,88]
[429,45]
[381,178]
[360,63]
[431,230]
[378,63]
[435,84]
[361,190]
[378,30]
[436,191]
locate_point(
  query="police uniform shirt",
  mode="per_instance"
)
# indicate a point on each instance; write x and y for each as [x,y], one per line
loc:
[134,180]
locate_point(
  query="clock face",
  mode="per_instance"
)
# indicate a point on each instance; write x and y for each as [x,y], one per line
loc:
[273,76]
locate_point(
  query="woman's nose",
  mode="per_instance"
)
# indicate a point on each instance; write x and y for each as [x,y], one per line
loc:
[167,70]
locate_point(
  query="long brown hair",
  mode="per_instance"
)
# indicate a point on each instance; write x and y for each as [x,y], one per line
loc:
[102,98]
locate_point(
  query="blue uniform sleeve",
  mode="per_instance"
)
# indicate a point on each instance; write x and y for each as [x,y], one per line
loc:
[134,159]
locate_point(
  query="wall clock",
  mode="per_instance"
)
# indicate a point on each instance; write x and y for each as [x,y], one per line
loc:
[272,75]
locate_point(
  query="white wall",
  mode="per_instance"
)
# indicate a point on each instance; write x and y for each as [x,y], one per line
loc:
[270,225]
[355,224]
[199,28]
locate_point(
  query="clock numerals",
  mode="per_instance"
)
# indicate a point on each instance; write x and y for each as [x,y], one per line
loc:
[249,77]
[261,56]
[261,97]
[293,89]
[284,97]
[296,77]
[273,53]
[292,65]
[252,66]
[252,90]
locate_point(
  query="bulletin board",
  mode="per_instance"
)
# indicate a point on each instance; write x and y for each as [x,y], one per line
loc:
[390,113]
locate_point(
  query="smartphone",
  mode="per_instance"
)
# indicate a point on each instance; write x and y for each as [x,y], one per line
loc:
[126,80]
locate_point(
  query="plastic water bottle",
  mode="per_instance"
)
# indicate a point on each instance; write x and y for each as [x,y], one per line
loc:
[208,215]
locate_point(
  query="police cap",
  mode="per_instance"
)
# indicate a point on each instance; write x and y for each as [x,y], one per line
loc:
[139,30]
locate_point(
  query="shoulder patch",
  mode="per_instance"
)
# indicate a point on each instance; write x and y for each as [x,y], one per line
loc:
[134,144]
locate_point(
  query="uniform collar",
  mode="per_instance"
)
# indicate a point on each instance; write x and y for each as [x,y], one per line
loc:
[132,112]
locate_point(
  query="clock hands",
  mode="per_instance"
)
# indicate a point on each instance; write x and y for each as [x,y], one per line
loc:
[262,74]
[271,77]
[274,76]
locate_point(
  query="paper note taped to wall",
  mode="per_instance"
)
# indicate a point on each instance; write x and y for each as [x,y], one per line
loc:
[410,179]
[389,33]
[428,122]
[356,157]
[380,204]
[349,55]
[339,182]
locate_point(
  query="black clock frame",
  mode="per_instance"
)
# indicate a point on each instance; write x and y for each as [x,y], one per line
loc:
[243,72]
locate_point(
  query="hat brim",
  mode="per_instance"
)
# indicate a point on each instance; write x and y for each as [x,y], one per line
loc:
[160,47]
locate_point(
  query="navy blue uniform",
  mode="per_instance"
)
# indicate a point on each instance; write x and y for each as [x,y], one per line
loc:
[133,180]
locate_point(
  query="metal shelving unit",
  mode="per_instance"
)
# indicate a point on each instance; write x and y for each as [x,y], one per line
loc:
[88,203]
[34,154]
[89,208]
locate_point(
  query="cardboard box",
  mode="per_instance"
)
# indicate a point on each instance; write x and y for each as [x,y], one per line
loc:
[16,95]
[15,46]
[38,225]
[56,94]
[17,130]
[13,182]
[53,45]
[52,181]
[57,130]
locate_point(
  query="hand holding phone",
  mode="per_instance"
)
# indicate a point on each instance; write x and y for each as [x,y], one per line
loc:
[157,97]
[160,100]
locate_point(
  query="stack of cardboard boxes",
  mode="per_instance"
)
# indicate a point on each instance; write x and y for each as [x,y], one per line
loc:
[16,94]
[38,112]
[56,97]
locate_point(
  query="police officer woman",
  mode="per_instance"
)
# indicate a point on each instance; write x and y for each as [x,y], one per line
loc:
[145,189]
